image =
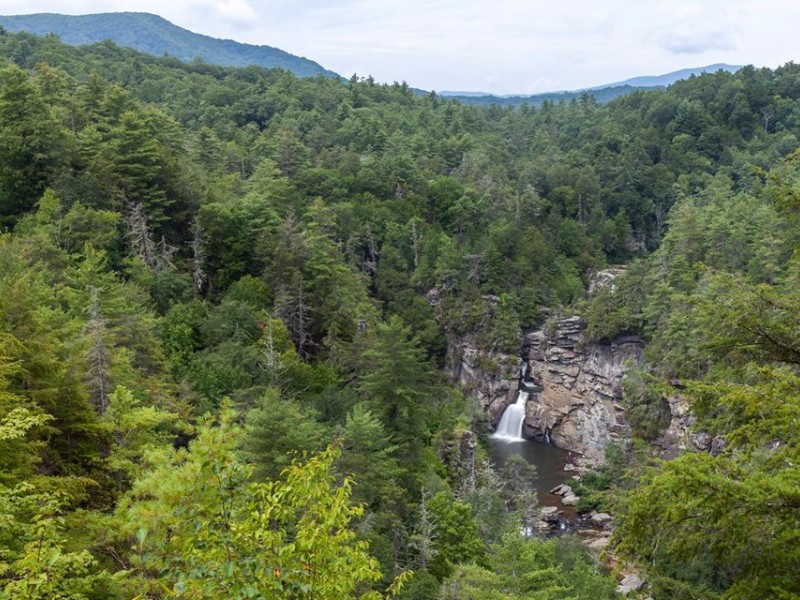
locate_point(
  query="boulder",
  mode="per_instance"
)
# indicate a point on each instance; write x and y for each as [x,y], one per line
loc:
[717,445]
[702,440]
[570,499]
[550,514]
[561,490]
[600,519]
[605,279]
[630,584]
[599,544]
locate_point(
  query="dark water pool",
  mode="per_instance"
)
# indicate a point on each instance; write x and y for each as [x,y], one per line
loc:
[548,460]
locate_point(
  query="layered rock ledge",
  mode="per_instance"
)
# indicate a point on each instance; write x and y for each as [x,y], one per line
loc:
[579,406]
[575,384]
[491,378]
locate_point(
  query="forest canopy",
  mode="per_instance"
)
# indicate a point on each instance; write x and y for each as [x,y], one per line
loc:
[228,296]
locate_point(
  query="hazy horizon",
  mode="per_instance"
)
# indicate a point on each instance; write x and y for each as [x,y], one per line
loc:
[502,47]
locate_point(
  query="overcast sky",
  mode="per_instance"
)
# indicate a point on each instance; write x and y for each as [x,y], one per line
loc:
[500,46]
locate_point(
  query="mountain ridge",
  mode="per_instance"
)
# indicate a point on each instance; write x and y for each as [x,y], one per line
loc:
[602,93]
[666,79]
[156,35]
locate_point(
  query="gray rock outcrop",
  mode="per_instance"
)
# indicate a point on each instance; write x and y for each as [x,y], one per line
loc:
[682,433]
[575,384]
[492,378]
[579,407]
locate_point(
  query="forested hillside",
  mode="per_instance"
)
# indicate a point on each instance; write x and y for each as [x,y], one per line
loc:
[155,35]
[719,304]
[227,295]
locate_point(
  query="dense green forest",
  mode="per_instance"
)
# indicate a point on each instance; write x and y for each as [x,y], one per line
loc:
[227,296]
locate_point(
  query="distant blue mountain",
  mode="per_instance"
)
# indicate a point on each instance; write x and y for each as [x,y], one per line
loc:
[602,93]
[472,94]
[669,78]
[154,35]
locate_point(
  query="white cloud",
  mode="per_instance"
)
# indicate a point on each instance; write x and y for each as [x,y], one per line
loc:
[502,46]
[698,44]
[232,16]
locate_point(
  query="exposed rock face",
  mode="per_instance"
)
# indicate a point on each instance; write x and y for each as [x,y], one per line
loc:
[676,438]
[491,378]
[682,434]
[579,406]
[604,279]
[575,384]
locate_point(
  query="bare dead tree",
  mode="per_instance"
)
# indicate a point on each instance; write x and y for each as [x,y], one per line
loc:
[293,311]
[423,540]
[474,267]
[270,358]
[165,252]
[198,275]
[138,235]
[516,203]
[98,356]
[301,321]
[767,114]
[416,242]
[157,256]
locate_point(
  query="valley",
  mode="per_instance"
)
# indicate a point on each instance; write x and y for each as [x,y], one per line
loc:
[272,336]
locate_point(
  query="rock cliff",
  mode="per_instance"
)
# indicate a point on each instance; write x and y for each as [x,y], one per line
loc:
[578,407]
[492,378]
[682,434]
[575,384]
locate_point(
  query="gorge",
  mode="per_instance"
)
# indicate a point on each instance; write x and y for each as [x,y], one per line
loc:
[230,295]
[571,387]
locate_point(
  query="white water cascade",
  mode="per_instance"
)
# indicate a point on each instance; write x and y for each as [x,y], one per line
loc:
[510,426]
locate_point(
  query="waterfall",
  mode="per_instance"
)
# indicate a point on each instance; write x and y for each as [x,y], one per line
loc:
[510,426]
